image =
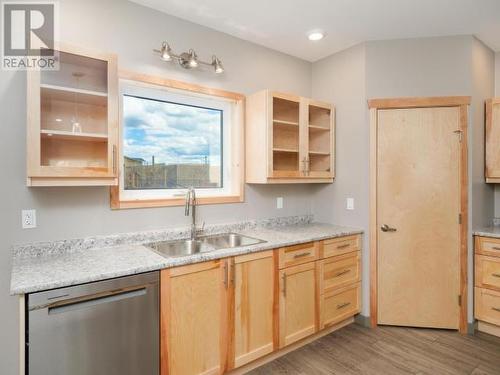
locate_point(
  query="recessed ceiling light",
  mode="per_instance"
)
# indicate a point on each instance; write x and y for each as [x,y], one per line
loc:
[315,35]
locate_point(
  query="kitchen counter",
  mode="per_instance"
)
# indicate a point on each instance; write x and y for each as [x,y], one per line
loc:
[493,231]
[38,267]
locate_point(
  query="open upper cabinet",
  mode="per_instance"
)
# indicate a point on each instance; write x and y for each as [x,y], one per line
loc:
[73,121]
[289,139]
[492,170]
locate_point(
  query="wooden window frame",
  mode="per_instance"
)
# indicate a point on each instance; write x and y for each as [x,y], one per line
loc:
[239,149]
[462,102]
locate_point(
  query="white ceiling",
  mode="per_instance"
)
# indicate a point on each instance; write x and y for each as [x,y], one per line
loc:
[283,24]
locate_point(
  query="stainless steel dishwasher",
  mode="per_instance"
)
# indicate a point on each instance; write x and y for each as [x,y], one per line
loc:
[103,328]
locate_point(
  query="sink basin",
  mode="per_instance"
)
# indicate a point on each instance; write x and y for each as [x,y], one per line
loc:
[203,244]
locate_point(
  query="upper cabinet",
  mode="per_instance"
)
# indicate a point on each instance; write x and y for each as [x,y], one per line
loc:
[73,121]
[492,170]
[289,139]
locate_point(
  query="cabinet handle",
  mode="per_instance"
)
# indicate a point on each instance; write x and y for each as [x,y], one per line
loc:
[342,305]
[304,166]
[225,274]
[284,285]
[231,270]
[307,166]
[496,309]
[343,246]
[496,248]
[495,274]
[301,255]
[114,160]
[342,273]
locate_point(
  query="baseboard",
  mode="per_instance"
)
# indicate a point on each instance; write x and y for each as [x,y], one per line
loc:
[290,348]
[363,320]
[488,328]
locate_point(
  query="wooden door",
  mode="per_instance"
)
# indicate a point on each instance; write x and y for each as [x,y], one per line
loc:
[253,277]
[297,303]
[418,199]
[193,319]
[492,168]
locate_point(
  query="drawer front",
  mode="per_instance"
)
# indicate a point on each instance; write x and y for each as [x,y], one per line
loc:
[298,254]
[487,305]
[339,246]
[487,246]
[339,305]
[487,273]
[338,271]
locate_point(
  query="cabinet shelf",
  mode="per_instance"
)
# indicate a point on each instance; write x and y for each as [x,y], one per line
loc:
[319,128]
[73,90]
[287,150]
[319,153]
[285,123]
[60,134]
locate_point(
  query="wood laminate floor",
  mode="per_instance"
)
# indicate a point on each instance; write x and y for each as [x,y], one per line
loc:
[391,350]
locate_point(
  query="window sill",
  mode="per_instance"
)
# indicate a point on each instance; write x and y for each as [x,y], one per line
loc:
[117,204]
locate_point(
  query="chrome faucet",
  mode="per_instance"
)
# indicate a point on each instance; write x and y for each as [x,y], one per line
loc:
[190,205]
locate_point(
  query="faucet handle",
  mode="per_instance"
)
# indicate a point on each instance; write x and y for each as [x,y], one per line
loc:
[199,230]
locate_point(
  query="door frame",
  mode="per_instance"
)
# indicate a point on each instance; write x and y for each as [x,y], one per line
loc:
[462,102]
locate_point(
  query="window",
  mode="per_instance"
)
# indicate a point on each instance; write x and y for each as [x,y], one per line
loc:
[174,139]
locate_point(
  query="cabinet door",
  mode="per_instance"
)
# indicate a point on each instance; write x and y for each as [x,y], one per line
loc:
[73,121]
[193,319]
[297,303]
[320,139]
[339,304]
[492,170]
[253,277]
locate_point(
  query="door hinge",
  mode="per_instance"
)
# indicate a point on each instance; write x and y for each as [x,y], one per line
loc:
[459,300]
[459,218]
[460,134]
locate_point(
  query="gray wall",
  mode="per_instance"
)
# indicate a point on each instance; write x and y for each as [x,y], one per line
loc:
[415,67]
[132,32]
[497,93]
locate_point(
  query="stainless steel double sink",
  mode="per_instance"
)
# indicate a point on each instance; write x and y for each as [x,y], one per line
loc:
[203,244]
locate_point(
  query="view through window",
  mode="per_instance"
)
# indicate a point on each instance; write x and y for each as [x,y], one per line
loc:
[170,145]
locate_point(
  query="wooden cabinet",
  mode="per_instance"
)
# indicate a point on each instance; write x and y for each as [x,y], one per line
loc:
[221,315]
[492,146]
[487,284]
[193,319]
[72,123]
[254,305]
[297,308]
[289,139]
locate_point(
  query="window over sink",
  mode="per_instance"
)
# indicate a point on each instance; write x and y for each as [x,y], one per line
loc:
[173,139]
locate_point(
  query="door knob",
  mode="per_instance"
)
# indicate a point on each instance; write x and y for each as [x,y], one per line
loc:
[386,228]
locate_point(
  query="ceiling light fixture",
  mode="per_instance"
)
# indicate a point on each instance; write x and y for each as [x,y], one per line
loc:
[314,36]
[188,60]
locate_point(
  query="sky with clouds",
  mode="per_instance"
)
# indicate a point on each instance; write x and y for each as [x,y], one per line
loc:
[173,133]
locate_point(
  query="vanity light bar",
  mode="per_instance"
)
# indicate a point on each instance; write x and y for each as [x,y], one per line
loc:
[188,60]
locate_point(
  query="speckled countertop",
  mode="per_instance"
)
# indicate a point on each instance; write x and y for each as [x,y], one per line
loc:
[43,266]
[493,231]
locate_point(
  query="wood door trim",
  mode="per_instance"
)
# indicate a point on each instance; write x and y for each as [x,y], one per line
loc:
[420,102]
[375,105]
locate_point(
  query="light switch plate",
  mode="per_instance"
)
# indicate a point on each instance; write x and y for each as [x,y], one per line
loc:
[28,219]
[350,204]
[279,203]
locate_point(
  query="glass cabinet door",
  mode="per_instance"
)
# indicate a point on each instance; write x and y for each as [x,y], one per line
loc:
[320,140]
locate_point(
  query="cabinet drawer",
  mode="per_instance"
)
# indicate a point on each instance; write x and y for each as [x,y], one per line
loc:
[338,305]
[298,254]
[487,246]
[487,305]
[339,246]
[338,271]
[487,273]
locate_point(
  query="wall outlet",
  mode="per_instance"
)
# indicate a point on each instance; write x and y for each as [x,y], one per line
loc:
[279,203]
[350,204]
[28,219]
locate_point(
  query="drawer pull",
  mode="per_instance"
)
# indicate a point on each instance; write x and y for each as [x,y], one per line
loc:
[342,273]
[343,246]
[496,309]
[496,248]
[495,274]
[301,255]
[342,305]
[284,285]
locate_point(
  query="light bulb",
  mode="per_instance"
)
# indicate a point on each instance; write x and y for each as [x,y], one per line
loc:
[217,64]
[315,36]
[165,52]
[193,59]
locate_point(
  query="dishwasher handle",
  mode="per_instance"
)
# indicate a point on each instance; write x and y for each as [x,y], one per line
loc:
[94,300]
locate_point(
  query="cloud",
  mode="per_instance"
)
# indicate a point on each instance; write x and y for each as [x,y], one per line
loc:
[172,133]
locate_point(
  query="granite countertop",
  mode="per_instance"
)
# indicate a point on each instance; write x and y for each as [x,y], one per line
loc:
[493,231]
[38,267]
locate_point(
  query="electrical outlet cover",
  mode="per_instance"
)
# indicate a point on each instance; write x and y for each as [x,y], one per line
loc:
[28,219]
[279,202]
[350,204]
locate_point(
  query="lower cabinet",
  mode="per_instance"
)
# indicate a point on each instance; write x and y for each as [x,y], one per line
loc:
[193,323]
[297,307]
[223,314]
[253,277]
